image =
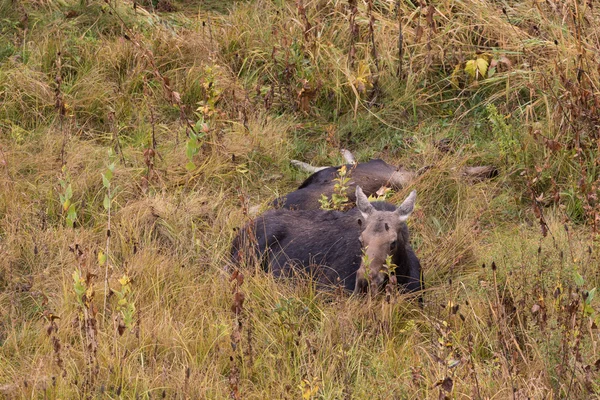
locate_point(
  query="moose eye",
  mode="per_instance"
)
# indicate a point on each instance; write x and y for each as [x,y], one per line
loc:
[393,245]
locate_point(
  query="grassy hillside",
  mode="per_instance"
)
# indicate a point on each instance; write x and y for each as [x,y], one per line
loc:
[134,139]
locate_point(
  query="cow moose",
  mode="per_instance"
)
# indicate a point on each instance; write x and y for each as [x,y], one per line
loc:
[354,249]
[370,176]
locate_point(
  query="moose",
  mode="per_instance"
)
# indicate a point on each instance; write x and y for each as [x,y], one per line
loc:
[371,176]
[361,249]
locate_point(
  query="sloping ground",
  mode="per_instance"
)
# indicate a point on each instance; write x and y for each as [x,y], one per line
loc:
[132,144]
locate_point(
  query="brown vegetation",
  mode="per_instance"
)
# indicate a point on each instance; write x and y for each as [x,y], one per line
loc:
[133,142]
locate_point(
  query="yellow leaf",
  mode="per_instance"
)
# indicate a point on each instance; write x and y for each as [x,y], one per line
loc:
[482,67]
[306,394]
[477,69]
[455,75]
[363,70]
[124,280]
[362,81]
[242,169]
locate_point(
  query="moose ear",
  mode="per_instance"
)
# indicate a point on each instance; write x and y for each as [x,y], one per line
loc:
[407,206]
[362,203]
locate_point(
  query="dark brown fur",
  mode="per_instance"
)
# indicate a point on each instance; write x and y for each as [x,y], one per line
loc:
[327,245]
[370,176]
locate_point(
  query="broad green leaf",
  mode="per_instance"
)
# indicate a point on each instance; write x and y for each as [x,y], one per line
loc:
[578,279]
[76,276]
[101,258]
[106,202]
[590,296]
[111,168]
[191,148]
[190,166]
[108,174]
[69,192]
[72,213]
[78,288]
[105,181]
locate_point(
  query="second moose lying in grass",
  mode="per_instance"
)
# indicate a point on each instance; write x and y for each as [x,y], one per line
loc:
[362,248]
[370,176]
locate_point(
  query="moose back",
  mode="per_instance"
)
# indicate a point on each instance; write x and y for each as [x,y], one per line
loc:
[370,176]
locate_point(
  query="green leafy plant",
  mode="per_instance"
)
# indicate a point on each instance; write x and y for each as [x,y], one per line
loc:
[107,203]
[366,262]
[65,195]
[390,266]
[478,68]
[206,112]
[125,304]
[471,70]
[505,136]
[106,182]
[79,287]
[194,144]
[339,199]
[212,93]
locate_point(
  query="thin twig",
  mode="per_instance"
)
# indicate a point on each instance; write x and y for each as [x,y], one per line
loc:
[400,40]
[59,105]
[106,251]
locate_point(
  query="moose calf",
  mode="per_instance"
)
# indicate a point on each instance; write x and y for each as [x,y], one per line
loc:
[356,248]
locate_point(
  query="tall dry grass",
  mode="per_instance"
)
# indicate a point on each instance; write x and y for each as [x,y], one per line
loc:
[510,264]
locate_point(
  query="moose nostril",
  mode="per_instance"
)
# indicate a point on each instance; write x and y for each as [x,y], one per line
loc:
[393,245]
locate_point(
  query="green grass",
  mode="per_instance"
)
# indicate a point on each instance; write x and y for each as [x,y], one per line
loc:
[509,312]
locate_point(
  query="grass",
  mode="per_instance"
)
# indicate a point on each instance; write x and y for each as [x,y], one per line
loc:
[510,264]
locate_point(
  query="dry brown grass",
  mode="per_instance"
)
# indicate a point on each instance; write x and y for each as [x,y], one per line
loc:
[525,326]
